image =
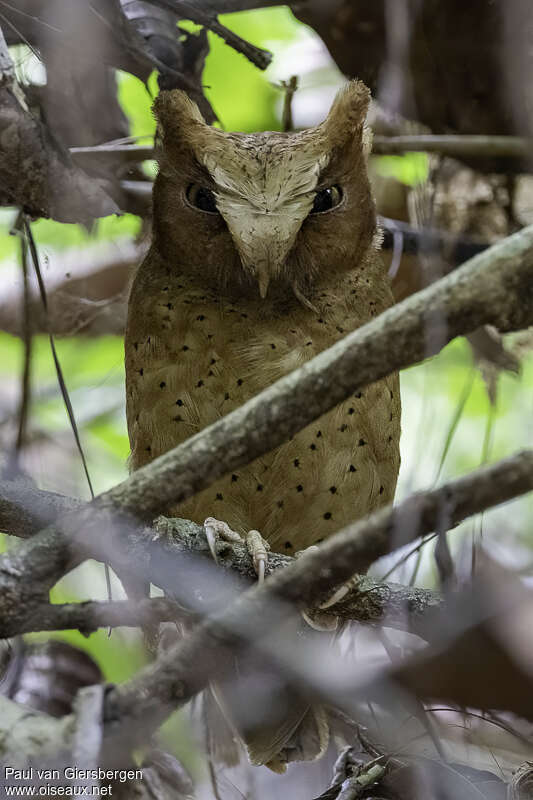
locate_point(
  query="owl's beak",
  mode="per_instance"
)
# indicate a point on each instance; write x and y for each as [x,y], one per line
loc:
[263,240]
[263,279]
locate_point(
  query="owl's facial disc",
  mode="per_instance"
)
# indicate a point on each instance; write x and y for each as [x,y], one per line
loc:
[265,188]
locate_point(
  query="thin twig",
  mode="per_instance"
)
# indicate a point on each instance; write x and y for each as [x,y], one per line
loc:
[290,88]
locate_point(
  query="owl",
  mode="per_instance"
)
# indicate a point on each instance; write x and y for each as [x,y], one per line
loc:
[265,252]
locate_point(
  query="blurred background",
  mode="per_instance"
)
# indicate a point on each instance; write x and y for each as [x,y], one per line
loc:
[470,405]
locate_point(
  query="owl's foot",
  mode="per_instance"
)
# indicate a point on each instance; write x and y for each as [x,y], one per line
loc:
[317,618]
[257,546]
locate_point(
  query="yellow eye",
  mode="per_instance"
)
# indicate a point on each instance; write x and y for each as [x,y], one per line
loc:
[326,199]
[202,198]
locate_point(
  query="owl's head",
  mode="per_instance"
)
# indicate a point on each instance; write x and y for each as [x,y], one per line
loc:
[263,212]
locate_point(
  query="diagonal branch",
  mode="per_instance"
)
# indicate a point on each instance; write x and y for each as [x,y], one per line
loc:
[495,287]
[208,18]
[369,601]
[187,667]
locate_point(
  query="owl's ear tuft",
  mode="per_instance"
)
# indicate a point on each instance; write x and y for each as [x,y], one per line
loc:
[176,113]
[347,115]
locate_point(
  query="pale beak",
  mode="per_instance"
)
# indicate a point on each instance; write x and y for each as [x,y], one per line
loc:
[262,274]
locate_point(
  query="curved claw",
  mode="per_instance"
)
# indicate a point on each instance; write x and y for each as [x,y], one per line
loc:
[258,549]
[211,536]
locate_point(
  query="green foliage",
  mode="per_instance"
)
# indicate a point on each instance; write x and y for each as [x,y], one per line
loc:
[411,168]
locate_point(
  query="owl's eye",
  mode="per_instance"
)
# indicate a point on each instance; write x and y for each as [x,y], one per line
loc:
[202,198]
[326,199]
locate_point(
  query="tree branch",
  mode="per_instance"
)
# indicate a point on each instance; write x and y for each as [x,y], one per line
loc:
[495,287]
[455,146]
[196,13]
[88,616]
[24,509]
[187,667]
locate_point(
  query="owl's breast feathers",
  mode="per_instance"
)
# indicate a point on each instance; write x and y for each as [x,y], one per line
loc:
[192,357]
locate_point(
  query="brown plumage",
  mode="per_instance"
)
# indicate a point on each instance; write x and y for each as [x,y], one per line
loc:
[264,253]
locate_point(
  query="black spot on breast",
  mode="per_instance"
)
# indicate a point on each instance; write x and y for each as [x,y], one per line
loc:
[162,385]
[148,449]
[333,489]
[240,382]
[185,348]
[296,462]
[213,361]
[136,345]
[170,306]
[179,403]
[226,396]
[327,515]
[210,373]
[351,411]
[319,434]
[200,383]
[141,371]
[358,395]
[200,317]
[352,468]
[280,504]
[259,487]
[288,545]
[381,489]
[299,488]
[272,346]
[234,478]
[361,443]
[219,496]
[343,427]
[178,418]
[312,446]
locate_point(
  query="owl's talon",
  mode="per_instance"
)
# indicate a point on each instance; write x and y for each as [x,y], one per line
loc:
[316,619]
[215,528]
[336,597]
[258,549]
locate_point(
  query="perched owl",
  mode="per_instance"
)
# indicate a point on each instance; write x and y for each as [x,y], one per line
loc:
[264,253]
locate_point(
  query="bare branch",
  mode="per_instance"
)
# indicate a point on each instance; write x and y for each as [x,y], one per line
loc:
[24,509]
[495,287]
[89,616]
[456,146]
[186,668]
[202,16]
